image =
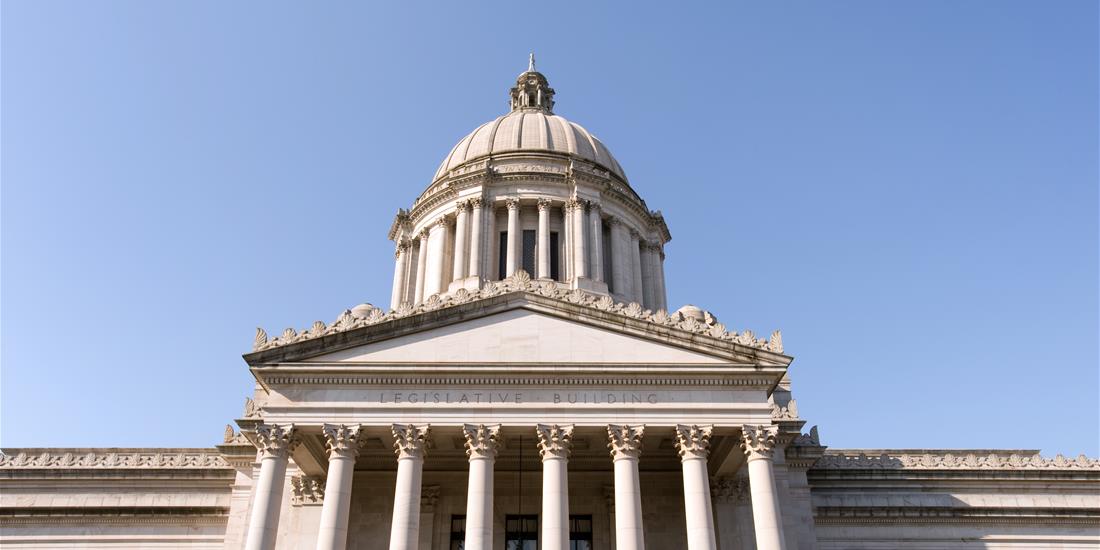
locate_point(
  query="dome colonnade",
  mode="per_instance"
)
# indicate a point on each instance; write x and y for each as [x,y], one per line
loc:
[535,192]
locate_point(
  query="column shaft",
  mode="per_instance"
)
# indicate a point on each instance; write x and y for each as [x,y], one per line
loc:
[275,443]
[626,449]
[580,248]
[421,267]
[476,237]
[596,230]
[514,238]
[433,279]
[554,445]
[461,231]
[636,268]
[398,276]
[620,283]
[693,444]
[759,443]
[544,239]
[410,442]
[662,292]
[481,447]
[342,442]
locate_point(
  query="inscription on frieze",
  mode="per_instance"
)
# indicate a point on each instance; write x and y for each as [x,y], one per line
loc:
[494,397]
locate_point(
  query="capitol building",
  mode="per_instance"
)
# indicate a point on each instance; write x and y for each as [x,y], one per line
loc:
[528,386]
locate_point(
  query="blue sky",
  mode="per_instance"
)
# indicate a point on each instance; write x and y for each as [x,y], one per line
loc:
[908,190]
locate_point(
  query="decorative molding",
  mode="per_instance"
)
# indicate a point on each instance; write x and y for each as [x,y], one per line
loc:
[788,412]
[276,440]
[758,441]
[429,496]
[625,441]
[939,515]
[693,441]
[410,440]
[376,380]
[113,459]
[555,441]
[307,490]
[341,439]
[730,490]
[481,441]
[522,282]
[950,460]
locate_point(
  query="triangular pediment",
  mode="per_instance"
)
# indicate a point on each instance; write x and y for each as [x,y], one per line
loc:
[516,336]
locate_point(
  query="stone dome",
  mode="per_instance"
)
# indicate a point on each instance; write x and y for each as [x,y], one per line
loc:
[535,130]
[531,126]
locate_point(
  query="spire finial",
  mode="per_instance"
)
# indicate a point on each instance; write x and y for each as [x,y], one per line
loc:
[531,63]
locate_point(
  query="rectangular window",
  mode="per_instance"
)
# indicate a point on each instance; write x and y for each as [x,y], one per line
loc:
[554,272]
[580,532]
[458,532]
[529,241]
[502,258]
[521,532]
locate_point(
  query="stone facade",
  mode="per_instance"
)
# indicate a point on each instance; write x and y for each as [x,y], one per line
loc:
[492,403]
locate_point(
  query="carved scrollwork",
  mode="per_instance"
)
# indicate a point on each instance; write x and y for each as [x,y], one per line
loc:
[481,441]
[276,440]
[693,441]
[554,441]
[410,440]
[625,441]
[758,441]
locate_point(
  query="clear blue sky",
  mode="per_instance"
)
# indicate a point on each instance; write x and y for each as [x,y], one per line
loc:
[908,189]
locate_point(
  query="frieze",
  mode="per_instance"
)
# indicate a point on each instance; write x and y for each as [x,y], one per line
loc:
[520,282]
[952,461]
[87,458]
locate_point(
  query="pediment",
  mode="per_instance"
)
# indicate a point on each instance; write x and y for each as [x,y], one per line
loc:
[519,336]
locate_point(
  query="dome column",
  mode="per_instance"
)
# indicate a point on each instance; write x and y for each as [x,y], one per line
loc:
[437,244]
[475,237]
[512,261]
[421,266]
[544,239]
[620,259]
[580,249]
[635,262]
[400,269]
[596,222]
[462,213]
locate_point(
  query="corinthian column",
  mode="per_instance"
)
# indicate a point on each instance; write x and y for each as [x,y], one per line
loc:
[481,447]
[759,445]
[399,271]
[626,448]
[580,245]
[512,262]
[343,446]
[620,277]
[421,265]
[596,221]
[693,444]
[410,442]
[555,443]
[461,229]
[275,442]
[544,239]
[437,244]
[476,236]
[636,266]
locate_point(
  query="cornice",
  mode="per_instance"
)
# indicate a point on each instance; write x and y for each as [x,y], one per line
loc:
[685,328]
[950,460]
[125,515]
[85,458]
[346,376]
[920,515]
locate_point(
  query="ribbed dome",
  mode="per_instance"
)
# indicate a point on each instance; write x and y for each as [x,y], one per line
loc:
[530,130]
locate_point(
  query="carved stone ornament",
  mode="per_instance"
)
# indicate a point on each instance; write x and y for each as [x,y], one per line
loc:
[481,441]
[410,440]
[511,203]
[693,441]
[554,441]
[544,204]
[522,282]
[341,439]
[625,441]
[96,458]
[307,490]
[729,490]
[787,412]
[758,441]
[951,460]
[574,204]
[251,409]
[276,440]
[811,439]
[429,496]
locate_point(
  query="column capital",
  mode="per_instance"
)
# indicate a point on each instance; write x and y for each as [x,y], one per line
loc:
[693,441]
[422,235]
[614,220]
[574,204]
[307,490]
[276,440]
[758,441]
[594,206]
[729,489]
[341,440]
[625,441]
[634,235]
[544,204]
[475,202]
[441,222]
[554,441]
[410,440]
[511,203]
[481,441]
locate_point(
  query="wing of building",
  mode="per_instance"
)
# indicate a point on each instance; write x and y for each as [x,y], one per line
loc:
[528,387]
